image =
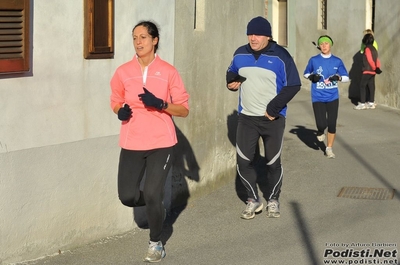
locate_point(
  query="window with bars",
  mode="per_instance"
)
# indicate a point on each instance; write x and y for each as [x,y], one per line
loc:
[99,29]
[373,15]
[14,36]
[322,10]
[369,14]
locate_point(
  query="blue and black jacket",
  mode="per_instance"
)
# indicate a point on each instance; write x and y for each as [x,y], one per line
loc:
[272,79]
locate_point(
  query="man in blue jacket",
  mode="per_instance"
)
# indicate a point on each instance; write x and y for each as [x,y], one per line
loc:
[266,77]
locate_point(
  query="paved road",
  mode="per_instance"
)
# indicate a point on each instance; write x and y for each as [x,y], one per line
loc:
[314,220]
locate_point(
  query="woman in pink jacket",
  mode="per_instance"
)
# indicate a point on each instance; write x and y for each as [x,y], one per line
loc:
[371,67]
[145,93]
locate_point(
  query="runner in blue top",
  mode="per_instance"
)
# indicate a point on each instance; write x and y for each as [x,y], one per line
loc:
[266,77]
[325,70]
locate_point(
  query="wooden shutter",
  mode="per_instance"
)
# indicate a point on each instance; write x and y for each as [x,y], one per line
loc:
[14,36]
[99,29]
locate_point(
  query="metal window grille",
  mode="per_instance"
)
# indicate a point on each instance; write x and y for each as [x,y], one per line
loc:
[324,14]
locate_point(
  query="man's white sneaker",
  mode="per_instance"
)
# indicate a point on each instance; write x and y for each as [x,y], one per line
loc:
[273,209]
[251,209]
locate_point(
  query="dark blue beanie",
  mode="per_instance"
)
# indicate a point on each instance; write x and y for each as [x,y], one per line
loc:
[259,26]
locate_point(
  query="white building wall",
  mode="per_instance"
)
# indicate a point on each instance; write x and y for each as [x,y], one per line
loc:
[59,137]
[387,32]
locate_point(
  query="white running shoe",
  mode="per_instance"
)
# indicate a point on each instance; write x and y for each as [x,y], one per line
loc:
[360,106]
[371,105]
[273,209]
[251,209]
[321,137]
[329,152]
[155,252]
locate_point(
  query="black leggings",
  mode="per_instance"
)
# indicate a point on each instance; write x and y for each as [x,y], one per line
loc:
[132,166]
[367,88]
[326,114]
[249,131]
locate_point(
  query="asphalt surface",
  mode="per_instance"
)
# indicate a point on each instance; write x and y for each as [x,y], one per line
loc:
[314,221]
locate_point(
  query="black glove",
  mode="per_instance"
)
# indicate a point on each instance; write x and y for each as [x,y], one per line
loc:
[124,113]
[378,70]
[232,77]
[314,78]
[334,78]
[150,100]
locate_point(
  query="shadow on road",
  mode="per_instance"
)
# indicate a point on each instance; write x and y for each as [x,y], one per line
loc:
[304,232]
[355,74]
[308,137]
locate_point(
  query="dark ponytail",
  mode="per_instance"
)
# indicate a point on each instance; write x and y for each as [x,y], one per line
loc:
[368,39]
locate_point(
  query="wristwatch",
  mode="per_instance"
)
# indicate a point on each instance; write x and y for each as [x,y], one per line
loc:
[165,105]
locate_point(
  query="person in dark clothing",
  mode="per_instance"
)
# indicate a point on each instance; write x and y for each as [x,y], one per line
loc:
[371,67]
[266,77]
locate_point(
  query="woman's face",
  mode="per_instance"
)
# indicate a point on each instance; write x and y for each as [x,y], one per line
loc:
[143,42]
[325,47]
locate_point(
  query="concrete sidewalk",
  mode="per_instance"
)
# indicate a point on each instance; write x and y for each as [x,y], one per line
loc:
[314,221]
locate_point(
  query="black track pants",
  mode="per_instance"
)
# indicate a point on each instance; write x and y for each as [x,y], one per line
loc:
[367,88]
[249,131]
[132,166]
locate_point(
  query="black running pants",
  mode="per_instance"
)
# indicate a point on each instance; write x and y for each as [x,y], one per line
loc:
[132,167]
[326,114]
[249,131]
